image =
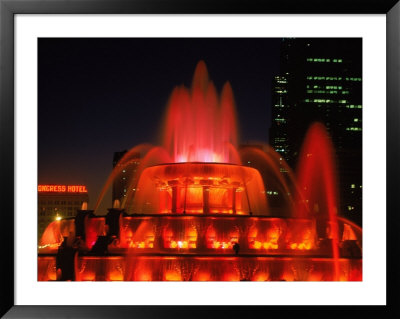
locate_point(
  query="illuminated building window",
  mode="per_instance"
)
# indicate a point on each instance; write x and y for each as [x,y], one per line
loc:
[327,78]
[352,106]
[324,60]
[333,87]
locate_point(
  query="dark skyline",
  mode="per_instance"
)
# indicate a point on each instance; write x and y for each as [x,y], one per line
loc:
[99,96]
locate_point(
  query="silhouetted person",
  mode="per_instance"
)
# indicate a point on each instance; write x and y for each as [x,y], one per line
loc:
[101,245]
[65,261]
[236,248]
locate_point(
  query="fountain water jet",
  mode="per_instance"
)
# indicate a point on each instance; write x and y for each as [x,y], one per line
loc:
[199,125]
[316,179]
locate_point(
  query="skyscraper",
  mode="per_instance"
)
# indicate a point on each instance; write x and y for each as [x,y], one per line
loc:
[281,119]
[321,80]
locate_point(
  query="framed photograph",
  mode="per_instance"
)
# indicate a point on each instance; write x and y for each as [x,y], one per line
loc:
[156,156]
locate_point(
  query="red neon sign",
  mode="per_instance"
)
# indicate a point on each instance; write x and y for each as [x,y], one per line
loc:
[62,189]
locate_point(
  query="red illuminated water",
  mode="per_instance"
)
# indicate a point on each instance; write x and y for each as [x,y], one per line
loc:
[317,181]
[122,164]
[191,203]
[200,125]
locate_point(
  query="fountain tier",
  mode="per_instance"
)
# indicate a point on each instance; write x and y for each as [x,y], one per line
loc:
[200,188]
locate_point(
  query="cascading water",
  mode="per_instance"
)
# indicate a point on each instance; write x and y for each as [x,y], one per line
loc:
[194,213]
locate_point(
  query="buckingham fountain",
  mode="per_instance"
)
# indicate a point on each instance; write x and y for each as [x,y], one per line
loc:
[194,212]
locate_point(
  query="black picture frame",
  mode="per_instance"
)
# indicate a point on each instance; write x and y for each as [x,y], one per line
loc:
[8,10]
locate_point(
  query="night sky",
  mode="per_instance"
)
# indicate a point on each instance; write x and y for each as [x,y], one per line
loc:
[99,96]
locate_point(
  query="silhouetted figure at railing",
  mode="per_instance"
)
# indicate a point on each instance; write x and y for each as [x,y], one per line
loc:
[65,262]
[101,245]
[236,248]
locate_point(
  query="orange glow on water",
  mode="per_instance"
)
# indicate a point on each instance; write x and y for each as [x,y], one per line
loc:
[88,276]
[269,240]
[212,240]
[140,238]
[257,244]
[265,245]
[301,246]
[355,275]
[315,276]
[191,236]
[202,276]
[270,245]
[52,276]
[173,275]
[115,275]
[141,244]
[189,241]
[144,276]
[231,276]
[260,276]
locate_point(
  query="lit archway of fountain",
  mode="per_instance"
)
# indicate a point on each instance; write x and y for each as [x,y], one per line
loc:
[193,212]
